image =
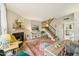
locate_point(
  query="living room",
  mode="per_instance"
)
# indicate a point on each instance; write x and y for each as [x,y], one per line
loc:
[39,29]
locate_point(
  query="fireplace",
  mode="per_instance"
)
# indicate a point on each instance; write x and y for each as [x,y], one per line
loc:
[19,36]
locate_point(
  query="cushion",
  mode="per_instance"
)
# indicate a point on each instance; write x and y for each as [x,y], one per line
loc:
[13,39]
[6,39]
[10,38]
[2,53]
[3,43]
[22,54]
[76,55]
[77,50]
[71,48]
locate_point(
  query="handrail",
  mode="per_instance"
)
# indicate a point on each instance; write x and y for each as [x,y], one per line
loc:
[50,22]
[51,27]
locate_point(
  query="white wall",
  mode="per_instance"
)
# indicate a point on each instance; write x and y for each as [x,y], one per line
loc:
[11,20]
[76,25]
[60,25]
[59,28]
[11,16]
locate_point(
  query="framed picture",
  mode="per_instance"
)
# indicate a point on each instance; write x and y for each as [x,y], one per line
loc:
[35,27]
[68,31]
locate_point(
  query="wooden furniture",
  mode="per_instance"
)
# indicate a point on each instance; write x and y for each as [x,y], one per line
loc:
[12,46]
[52,51]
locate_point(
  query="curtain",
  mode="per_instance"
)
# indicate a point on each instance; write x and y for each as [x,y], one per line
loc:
[0,22]
[0,18]
[3,20]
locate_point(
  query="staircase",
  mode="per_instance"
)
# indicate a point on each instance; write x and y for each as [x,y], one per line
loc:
[51,30]
[51,33]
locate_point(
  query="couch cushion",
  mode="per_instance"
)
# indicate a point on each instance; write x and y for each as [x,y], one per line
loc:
[76,50]
[13,39]
[9,37]
[3,43]
[22,53]
[76,55]
[71,48]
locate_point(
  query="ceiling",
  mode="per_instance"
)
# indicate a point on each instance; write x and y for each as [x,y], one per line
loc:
[42,11]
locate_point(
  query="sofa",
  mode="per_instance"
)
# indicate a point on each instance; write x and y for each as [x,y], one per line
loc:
[73,49]
[5,41]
